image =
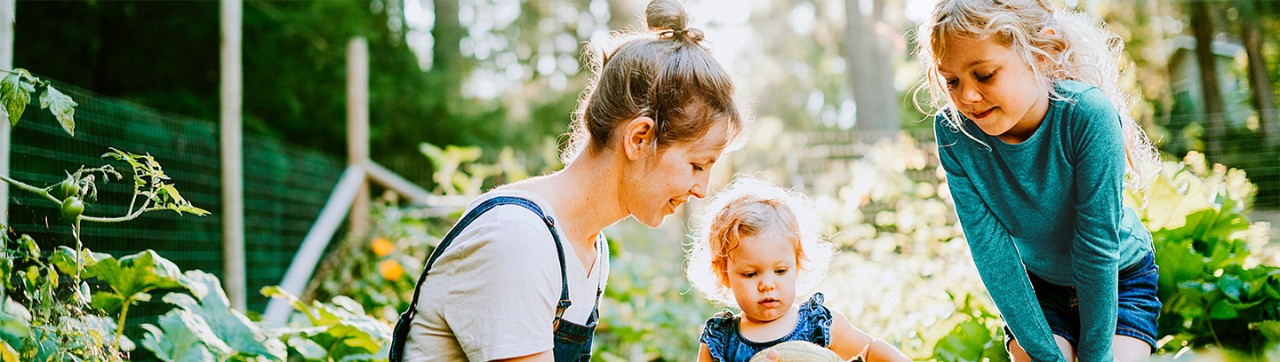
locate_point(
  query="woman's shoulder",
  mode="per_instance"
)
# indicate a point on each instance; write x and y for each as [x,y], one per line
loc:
[512,212]
[507,231]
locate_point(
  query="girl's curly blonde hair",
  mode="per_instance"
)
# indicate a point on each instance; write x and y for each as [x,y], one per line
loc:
[750,207]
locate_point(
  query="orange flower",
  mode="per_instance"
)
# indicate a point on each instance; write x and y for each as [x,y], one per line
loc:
[381,246]
[390,269]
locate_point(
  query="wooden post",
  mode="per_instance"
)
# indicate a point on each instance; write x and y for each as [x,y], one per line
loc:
[358,129]
[8,11]
[233,277]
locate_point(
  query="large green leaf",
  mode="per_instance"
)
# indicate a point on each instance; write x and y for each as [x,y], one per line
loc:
[228,324]
[136,274]
[15,93]
[8,353]
[14,323]
[342,325]
[108,302]
[1178,262]
[184,336]
[62,107]
[65,259]
[307,348]
[1269,329]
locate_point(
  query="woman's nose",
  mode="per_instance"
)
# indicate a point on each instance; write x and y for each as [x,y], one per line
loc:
[699,189]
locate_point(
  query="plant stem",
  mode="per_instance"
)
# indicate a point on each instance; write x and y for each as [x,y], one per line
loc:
[124,311]
[128,217]
[75,232]
[31,189]
[4,254]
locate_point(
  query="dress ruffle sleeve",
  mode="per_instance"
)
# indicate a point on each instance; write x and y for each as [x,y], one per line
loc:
[819,320]
[719,333]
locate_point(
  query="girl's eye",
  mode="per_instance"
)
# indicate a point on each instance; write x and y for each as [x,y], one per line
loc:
[781,271]
[748,274]
[951,83]
[985,77]
[697,167]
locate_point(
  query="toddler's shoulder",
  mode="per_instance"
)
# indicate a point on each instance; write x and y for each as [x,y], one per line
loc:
[817,320]
[723,321]
[719,334]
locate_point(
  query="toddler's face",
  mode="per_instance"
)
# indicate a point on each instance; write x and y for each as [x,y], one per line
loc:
[762,275]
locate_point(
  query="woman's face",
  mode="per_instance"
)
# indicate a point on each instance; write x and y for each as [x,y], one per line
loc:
[656,188]
[762,274]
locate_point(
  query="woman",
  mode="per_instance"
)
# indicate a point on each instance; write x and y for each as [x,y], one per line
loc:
[520,276]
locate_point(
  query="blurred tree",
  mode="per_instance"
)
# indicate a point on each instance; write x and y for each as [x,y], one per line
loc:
[495,72]
[151,53]
[1259,80]
[870,75]
[1214,110]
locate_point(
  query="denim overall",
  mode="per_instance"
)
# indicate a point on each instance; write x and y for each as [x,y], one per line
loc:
[572,341]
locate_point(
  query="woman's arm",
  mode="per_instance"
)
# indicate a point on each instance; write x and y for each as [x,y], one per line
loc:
[849,342]
[544,356]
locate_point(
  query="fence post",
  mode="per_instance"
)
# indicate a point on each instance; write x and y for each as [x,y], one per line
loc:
[8,13]
[358,128]
[231,139]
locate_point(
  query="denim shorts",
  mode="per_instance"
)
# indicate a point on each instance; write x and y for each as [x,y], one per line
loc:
[1138,304]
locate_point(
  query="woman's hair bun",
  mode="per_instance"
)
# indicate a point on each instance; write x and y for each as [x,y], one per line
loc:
[669,19]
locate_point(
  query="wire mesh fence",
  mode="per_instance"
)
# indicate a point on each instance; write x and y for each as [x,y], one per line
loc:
[285,187]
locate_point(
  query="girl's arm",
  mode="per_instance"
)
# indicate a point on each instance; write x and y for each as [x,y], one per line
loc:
[1098,148]
[849,342]
[704,354]
[996,257]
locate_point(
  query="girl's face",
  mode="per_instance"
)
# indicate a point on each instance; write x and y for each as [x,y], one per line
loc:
[991,85]
[762,275]
[656,189]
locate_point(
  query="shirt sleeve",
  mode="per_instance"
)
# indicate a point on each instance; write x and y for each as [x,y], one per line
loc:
[506,285]
[996,257]
[1100,159]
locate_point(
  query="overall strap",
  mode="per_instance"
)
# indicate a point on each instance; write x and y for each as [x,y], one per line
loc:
[472,216]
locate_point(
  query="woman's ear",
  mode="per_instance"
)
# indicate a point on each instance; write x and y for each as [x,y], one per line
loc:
[638,137]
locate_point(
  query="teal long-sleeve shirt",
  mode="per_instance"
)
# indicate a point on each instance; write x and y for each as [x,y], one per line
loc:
[1053,206]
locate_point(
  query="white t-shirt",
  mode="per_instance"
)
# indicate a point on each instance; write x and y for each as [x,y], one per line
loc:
[493,293]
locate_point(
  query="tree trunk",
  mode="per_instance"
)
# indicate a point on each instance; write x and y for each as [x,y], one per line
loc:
[866,63]
[447,33]
[1214,110]
[624,14]
[1259,80]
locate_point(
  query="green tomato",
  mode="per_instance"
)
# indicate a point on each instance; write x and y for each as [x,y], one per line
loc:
[70,187]
[72,207]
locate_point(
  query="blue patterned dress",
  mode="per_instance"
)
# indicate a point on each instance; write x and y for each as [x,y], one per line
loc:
[727,345]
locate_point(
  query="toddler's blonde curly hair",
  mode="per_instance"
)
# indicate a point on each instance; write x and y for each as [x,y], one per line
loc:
[749,207]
